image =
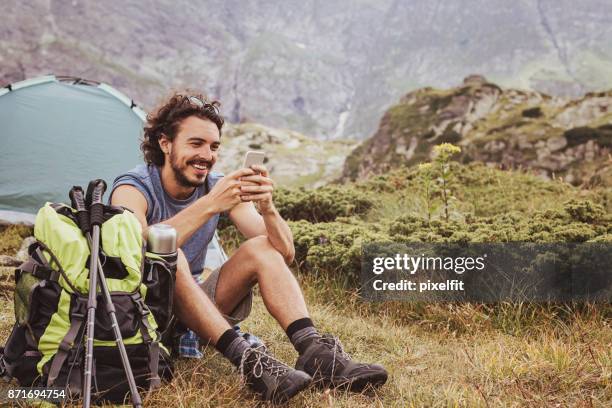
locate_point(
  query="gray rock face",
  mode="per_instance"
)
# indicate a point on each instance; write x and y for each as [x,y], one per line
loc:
[325,68]
[509,128]
[291,158]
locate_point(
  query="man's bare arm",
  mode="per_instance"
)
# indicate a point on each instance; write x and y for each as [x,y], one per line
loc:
[247,220]
[279,234]
[129,197]
[250,224]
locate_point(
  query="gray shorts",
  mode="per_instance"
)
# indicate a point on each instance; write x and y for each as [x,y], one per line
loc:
[208,282]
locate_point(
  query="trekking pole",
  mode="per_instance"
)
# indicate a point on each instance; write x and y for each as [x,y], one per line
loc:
[76,197]
[95,220]
[136,400]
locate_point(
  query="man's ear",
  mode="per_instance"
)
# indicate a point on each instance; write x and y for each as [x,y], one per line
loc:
[165,144]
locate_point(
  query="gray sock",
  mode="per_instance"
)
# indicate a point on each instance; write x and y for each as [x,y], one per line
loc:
[298,339]
[235,350]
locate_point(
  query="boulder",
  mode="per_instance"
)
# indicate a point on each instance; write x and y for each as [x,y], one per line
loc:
[556,143]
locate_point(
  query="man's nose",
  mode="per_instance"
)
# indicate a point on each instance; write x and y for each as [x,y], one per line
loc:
[205,153]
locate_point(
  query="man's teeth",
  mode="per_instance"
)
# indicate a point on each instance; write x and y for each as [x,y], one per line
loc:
[200,166]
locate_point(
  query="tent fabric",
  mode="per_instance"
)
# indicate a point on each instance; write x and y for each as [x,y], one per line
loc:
[57,132]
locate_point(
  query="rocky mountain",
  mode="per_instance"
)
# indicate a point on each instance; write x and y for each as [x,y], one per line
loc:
[553,136]
[325,68]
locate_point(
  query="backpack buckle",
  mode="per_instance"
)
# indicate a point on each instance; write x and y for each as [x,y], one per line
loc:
[80,309]
[140,304]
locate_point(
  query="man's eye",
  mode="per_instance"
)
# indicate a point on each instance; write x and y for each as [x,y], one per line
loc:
[214,147]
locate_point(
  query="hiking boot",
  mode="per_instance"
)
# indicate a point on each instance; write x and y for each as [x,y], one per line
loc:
[325,360]
[269,377]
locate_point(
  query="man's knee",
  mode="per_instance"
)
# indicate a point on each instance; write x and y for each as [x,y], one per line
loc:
[182,265]
[185,283]
[260,249]
[181,260]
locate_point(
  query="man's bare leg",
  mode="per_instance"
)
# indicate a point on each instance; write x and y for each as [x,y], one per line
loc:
[257,261]
[193,307]
[272,379]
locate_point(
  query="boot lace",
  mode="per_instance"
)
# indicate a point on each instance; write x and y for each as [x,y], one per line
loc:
[335,344]
[263,363]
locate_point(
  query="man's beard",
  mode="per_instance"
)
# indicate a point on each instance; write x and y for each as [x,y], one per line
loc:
[179,173]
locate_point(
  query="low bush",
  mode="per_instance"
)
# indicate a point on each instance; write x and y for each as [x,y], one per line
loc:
[321,205]
[333,248]
[576,221]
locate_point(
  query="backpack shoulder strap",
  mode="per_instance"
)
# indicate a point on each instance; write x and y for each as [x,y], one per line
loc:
[78,315]
[152,344]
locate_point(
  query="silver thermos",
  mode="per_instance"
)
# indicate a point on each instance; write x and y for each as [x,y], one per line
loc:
[161,276]
[161,239]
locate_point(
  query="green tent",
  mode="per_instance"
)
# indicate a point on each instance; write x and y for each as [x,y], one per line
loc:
[57,132]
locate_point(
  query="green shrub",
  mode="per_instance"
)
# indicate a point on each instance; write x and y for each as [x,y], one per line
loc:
[321,205]
[333,248]
[579,135]
[532,112]
[577,221]
[584,210]
[331,224]
[392,182]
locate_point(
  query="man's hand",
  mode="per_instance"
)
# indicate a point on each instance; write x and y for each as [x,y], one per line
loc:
[258,188]
[225,195]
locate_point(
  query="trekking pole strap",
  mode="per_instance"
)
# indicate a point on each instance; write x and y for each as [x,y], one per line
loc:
[78,203]
[95,191]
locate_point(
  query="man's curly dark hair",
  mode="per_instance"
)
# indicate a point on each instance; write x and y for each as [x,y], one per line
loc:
[168,117]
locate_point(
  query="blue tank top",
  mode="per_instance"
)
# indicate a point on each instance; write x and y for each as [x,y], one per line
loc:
[160,207]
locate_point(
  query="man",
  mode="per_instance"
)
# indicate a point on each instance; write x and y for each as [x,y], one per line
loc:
[177,187]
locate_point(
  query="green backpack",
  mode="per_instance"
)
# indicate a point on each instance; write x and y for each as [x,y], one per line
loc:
[46,345]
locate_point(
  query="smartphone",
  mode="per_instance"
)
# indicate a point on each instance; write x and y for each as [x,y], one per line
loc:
[253,157]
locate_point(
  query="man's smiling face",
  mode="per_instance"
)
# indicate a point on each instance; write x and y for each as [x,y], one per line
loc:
[193,152]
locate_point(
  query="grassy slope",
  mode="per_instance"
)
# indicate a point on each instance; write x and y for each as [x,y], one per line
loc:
[565,360]
[437,354]
[479,190]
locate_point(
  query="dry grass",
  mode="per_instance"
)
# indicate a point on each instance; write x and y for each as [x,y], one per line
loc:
[558,359]
[11,237]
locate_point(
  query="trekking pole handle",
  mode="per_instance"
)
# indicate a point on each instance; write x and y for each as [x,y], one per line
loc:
[78,203]
[95,191]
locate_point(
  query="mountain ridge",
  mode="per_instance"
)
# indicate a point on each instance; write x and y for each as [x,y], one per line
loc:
[325,69]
